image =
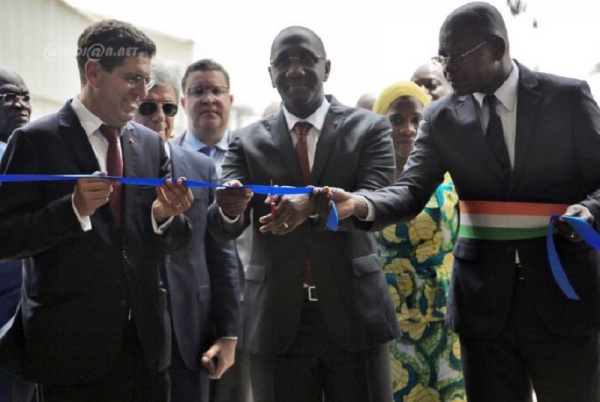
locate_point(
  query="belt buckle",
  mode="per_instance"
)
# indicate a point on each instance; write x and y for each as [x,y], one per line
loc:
[312,294]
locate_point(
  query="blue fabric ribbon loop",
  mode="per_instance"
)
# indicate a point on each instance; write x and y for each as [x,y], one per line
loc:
[332,220]
[586,232]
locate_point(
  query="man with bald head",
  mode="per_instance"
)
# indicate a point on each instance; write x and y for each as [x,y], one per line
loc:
[15,111]
[431,77]
[366,101]
[317,315]
[518,144]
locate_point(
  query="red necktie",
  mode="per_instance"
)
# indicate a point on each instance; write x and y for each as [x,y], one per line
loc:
[114,167]
[301,129]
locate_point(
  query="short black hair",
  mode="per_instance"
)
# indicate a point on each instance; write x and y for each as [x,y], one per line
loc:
[204,65]
[300,30]
[111,42]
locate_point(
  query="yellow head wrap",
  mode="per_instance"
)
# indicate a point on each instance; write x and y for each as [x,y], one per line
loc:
[398,90]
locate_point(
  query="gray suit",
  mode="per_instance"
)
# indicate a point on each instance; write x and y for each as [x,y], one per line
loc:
[354,151]
[201,278]
[557,160]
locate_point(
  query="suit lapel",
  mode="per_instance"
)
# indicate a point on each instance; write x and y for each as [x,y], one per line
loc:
[129,147]
[77,141]
[468,113]
[528,101]
[327,137]
[283,143]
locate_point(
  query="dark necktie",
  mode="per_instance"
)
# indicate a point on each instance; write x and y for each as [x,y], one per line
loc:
[495,136]
[114,167]
[301,129]
[208,151]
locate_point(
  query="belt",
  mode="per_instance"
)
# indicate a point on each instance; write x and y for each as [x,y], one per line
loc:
[310,293]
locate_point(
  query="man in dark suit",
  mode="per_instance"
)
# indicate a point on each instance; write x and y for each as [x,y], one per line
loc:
[207,101]
[317,315]
[517,329]
[201,278]
[15,111]
[92,322]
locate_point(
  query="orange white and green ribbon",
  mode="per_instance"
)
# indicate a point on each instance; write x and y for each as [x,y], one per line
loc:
[495,220]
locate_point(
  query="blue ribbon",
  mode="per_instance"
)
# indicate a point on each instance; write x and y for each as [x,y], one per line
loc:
[586,232]
[332,220]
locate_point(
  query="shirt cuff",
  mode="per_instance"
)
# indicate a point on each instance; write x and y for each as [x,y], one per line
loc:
[370,210]
[226,218]
[85,222]
[161,229]
[229,337]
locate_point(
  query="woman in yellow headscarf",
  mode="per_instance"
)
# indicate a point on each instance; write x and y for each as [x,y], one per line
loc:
[417,258]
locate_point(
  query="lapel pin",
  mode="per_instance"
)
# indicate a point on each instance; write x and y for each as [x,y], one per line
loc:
[131,141]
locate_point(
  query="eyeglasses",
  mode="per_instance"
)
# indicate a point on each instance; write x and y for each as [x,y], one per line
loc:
[305,60]
[148,108]
[136,80]
[10,98]
[199,92]
[457,58]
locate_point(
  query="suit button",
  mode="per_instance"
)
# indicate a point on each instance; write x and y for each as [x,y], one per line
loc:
[124,254]
[123,303]
[168,258]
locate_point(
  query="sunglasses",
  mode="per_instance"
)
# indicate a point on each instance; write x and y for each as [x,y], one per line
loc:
[147,108]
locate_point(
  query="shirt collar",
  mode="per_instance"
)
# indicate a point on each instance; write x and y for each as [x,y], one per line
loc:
[507,92]
[317,119]
[190,141]
[89,121]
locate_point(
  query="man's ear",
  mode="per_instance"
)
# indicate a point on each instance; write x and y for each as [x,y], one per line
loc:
[327,69]
[271,76]
[93,72]
[182,100]
[499,46]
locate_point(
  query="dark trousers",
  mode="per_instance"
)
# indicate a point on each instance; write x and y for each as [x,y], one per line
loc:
[13,389]
[234,385]
[129,380]
[525,356]
[315,369]
[187,385]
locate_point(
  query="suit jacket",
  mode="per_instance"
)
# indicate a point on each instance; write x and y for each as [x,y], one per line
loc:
[202,277]
[79,286]
[354,151]
[557,160]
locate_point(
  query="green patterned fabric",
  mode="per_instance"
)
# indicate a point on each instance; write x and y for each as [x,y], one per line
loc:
[417,259]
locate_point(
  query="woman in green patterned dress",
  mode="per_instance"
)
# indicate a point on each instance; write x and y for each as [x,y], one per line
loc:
[417,258]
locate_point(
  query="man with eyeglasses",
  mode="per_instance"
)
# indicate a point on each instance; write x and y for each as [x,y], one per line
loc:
[317,315]
[202,278]
[15,111]
[92,323]
[207,102]
[520,146]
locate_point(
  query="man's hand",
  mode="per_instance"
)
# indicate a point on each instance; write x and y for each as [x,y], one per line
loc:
[291,211]
[233,201]
[573,210]
[91,194]
[172,198]
[347,204]
[219,357]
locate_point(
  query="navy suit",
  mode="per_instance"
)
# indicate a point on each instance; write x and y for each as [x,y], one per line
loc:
[80,287]
[202,278]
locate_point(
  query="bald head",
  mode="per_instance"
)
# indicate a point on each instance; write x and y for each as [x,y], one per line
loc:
[479,19]
[430,77]
[366,101]
[15,112]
